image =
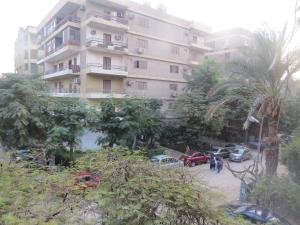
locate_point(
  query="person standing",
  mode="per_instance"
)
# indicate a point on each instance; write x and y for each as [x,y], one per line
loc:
[212,162]
[219,164]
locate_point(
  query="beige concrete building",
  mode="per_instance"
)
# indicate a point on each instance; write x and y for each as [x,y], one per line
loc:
[97,49]
[26,51]
[226,44]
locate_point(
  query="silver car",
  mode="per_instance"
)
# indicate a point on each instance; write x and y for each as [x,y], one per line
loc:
[240,154]
[166,161]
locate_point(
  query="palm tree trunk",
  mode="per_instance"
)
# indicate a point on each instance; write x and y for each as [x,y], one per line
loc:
[272,147]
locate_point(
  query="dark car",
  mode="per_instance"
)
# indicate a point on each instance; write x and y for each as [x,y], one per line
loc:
[255,214]
[254,145]
[232,146]
[220,151]
[23,154]
[194,159]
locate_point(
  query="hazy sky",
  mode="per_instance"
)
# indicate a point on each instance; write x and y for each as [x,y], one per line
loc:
[219,14]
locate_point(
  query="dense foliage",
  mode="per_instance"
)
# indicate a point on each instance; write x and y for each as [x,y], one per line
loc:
[124,121]
[23,111]
[290,156]
[132,191]
[280,194]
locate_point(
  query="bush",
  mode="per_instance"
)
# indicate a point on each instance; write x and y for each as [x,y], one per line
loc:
[291,156]
[280,194]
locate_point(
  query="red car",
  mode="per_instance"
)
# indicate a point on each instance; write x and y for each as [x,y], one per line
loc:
[194,159]
[85,180]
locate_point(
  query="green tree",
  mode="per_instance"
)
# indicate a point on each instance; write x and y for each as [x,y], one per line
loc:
[68,116]
[195,102]
[264,70]
[122,121]
[291,156]
[23,110]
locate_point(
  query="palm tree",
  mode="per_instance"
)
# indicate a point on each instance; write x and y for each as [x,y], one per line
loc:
[264,68]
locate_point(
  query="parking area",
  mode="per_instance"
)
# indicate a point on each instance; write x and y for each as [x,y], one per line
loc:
[223,182]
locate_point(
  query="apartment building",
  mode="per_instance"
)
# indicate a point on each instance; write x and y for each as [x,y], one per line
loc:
[226,44]
[26,51]
[98,49]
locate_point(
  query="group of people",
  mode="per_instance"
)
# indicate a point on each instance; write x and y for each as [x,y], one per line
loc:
[216,163]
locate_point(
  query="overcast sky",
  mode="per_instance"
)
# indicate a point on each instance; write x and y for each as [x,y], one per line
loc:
[219,14]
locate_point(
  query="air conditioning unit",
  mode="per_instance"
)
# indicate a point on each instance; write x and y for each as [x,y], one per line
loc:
[76,80]
[129,83]
[140,51]
[93,32]
[174,94]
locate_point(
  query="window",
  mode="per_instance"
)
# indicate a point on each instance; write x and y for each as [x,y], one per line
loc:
[175,50]
[143,22]
[33,54]
[33,68]
[141,43]
[75,61]
[141,85]
[107,39]
[26,55]
[139,64]
[74,34]
[60,66]
[106,86]
[26,66]
[195,38]
[106,63]
[174,69]
[173,87]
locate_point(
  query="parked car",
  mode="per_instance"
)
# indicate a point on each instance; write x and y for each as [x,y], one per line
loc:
[166,161]
[23,154]
[255,214]
[220,151]
[85,180]
[232,146]
[194,159]
[240,154]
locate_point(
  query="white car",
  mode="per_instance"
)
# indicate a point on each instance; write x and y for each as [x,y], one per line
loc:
[166,161]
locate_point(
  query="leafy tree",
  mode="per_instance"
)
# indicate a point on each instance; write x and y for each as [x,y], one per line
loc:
[264,70]
[124,120]
[69,119]
[195,102]
[23,110]
[132,191]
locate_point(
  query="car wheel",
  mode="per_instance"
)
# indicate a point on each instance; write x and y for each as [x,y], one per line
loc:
[193,164]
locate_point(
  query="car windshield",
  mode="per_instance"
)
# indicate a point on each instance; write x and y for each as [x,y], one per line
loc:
[238,151]
[154,160]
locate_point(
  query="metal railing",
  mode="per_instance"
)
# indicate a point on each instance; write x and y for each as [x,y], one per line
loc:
[65,91]
[68,42]
[116,19]
[119,45]
[104,91]
[106,67]
[74,68]
[73,19]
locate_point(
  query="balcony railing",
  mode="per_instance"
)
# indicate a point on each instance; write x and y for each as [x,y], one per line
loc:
[74,68]
[105,91]
[69,42]
[107,67]
[61,92]
[67,19]
[116,19]
[118,45]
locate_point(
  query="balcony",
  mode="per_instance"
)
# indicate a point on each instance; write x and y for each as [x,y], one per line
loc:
[61,25]
[200,46]
[94,93]
[66,71]
[99,69]
[107,22]
[116,47]
[121,4]
[63,93]
[62,51]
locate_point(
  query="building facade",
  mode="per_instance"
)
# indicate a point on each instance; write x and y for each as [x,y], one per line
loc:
[26,51]
[97,49]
